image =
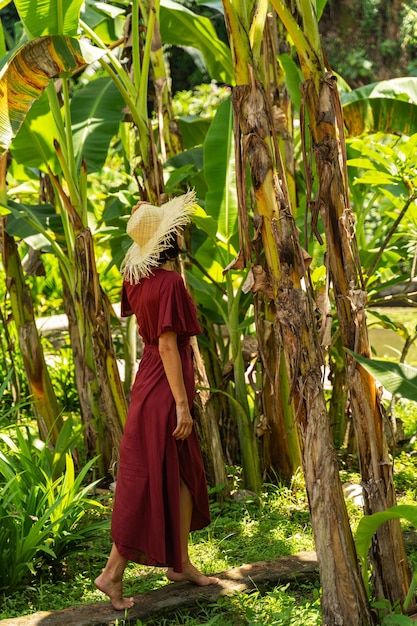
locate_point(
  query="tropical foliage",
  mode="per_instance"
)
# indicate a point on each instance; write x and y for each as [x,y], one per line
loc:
[43,504]
[88,124]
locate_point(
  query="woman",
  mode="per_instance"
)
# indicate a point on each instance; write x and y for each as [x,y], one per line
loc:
[161,491]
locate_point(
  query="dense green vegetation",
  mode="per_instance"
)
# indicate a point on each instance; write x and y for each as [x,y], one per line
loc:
[107,126]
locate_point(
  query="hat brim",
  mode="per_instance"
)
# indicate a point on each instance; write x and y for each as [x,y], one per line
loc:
[140,260]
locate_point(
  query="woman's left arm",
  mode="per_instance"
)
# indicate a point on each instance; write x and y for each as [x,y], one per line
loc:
[171,359]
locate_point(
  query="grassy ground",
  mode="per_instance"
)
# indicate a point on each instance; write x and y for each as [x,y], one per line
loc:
[242,530]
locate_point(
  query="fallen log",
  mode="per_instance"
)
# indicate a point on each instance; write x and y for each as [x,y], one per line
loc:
[175,596]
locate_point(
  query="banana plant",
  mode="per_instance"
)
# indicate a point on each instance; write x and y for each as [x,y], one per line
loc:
[72,154]
[389,106]
[367,527]
[322,103]
[59,55]
[294,324]
[218,294]
[45,403]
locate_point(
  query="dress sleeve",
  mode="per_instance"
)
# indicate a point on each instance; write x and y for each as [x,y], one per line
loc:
[177,311]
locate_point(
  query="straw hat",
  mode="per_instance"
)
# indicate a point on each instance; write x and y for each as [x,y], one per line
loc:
[151,228]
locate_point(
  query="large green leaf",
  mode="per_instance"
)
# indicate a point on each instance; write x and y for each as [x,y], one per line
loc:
[369,524]
[49,17]
[37,225]
[389,106]
[186,168]
[26,75]
[293,78]
[181,27]
[219,170]
[320,4]
[106,20]
[33,145]
[193,130]
[215,252]
[3,50]
[397,378]
[96,112]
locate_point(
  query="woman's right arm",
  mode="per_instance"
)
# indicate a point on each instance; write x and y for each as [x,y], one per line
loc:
[171,359]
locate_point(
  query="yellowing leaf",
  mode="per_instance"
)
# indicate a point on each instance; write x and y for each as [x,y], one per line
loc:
[25,76]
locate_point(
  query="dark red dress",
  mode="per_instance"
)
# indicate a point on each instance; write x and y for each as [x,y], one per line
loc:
[146,514]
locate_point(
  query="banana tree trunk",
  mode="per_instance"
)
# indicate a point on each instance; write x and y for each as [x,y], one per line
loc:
[280,442]
[295,331]
[97,315]
[281,449]
[45,403]
[130,346]
[100,375]
[391,571]
[209,429]
[89,413]
[296,336]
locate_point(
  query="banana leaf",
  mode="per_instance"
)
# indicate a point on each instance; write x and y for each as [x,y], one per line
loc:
[181,27]
[49,17]
[397,378]
[106,20]
[96,112]
[24,78]
[40,226]
[369,524]
[186,167]
[33,145]
[219,170]
[193,130]
[389,106]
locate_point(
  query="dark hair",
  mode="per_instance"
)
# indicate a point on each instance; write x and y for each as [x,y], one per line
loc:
[172,252]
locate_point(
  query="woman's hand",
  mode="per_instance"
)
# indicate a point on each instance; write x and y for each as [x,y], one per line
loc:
[184,422]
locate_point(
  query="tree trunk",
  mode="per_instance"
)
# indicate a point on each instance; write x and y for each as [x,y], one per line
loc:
[277,427]
[89,415]
[298,339]
[281,449]
[97,314]
[391,570]
[45,403]
[344,599]
[208,427]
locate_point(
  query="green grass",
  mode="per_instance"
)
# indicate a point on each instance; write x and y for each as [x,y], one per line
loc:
[285,605]
[242,530]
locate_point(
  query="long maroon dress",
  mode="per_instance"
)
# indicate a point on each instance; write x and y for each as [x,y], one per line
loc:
[146,514]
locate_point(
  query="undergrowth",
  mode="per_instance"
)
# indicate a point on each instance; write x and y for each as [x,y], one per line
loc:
[244,529]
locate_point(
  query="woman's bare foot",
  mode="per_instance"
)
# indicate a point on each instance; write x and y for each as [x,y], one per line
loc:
[114,589]
[191,573]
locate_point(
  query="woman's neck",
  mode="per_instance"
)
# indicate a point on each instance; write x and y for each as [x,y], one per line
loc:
[169,266]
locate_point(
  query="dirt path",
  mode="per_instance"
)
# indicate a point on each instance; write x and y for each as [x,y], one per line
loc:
[180,595]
